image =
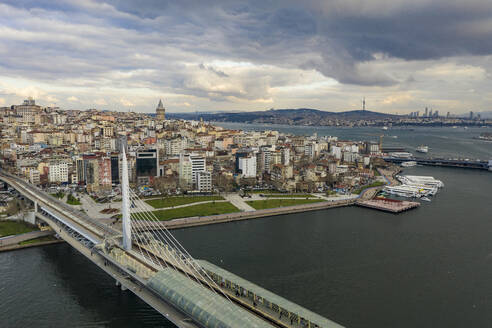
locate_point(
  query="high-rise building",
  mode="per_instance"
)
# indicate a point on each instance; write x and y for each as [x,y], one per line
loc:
[198,164]
[160,111]
[184,171]
[115,171]
[147,163]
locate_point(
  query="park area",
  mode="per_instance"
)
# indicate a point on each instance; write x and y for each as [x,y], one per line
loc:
[180,200]
[273,203]
[8,228]
[206,209]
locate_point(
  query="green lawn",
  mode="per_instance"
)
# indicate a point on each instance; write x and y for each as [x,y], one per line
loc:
[176,201]
[290,195]
[375,184]
[58,195]
[196,210]
[272,203]
[8,228]
[71,200]
[37,240]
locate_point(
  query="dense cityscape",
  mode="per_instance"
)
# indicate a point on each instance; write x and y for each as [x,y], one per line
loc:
[52,147]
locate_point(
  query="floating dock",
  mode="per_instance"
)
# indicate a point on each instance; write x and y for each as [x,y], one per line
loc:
[388,205]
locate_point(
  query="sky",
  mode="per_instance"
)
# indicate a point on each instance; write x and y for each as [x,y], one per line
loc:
[245,55]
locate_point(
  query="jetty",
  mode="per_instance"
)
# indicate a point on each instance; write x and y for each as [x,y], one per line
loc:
[388,205]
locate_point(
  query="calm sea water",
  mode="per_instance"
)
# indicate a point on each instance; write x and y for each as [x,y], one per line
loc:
[430,267]
[443,142]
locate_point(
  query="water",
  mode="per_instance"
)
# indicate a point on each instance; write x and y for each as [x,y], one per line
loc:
[429,267]
[444,142]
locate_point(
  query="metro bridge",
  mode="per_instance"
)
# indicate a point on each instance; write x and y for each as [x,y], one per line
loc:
[158,269]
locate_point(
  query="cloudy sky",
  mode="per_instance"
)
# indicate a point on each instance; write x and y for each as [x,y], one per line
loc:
[248,55]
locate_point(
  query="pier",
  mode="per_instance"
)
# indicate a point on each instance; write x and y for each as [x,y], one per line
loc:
[388,205]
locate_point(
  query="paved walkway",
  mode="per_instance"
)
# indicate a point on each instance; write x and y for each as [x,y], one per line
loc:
[12,240]
[239,202]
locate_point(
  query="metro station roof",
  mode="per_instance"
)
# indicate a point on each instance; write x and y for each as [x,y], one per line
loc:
[200,303]
[270,297]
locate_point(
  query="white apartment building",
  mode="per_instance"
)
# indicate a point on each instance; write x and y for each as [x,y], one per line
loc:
[247,165]
[198,164]
[185,175]
[58,173]
[175,146]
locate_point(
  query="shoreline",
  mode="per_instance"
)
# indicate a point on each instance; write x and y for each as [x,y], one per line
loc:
[18,247]
[240,216]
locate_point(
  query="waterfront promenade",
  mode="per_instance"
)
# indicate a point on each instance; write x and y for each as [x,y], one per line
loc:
[231,217]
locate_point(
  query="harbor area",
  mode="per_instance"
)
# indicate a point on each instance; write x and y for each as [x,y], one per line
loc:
[388,205]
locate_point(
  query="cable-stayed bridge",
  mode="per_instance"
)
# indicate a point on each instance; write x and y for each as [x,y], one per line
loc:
[159,270]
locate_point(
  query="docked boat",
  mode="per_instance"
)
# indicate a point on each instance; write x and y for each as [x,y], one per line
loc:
[423,149]
[415,186]
[426,199]
[409,164]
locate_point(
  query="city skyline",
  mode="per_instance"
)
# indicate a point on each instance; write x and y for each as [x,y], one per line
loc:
[248,56]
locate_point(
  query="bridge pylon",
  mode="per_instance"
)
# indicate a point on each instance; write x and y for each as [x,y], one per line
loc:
[125,210]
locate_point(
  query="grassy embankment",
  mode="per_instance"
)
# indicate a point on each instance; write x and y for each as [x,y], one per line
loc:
[71,200]
[290,196]
[38,240]
[273,203]
[8,228]
[196,210]
[177,201]
[375,184]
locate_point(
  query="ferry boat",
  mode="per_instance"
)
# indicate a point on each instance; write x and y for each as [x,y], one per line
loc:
[385,128]
[400,154]
[409,164]
[484,136]
[423,149]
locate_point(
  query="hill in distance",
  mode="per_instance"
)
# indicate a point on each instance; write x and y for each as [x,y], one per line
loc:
[299,116]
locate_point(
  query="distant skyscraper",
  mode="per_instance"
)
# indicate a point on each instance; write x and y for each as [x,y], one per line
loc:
[471,115]
[160,111]
[364,103]
[426,112]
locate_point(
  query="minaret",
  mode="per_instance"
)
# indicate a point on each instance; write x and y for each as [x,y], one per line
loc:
[125,210]
[160,111]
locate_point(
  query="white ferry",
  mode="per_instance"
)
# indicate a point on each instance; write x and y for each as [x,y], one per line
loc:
[400,154]
[423,149]
[409,164]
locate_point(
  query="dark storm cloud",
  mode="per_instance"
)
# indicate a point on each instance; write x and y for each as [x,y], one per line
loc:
[187,46]
[340,34]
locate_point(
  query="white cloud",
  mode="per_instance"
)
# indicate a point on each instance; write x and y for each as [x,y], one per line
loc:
[72,99]
[100,102]
[126,102]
